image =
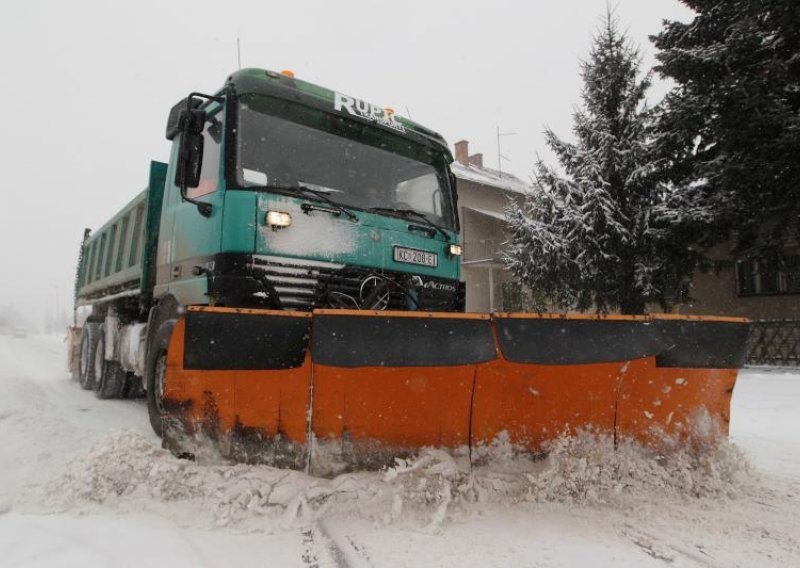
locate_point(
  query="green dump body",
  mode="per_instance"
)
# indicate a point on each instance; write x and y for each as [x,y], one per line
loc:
[119,259]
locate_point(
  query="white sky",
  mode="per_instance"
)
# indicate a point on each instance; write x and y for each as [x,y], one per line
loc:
[87,85]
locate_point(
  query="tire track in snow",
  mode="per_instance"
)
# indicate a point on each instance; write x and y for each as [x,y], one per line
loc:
[323,547]
[344,549]
[309,554]
[320,550]
[661,549]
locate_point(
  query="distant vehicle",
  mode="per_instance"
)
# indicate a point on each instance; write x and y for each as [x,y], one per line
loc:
[19,332]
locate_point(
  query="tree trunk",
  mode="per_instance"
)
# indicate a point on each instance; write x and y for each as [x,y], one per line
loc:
[632,304]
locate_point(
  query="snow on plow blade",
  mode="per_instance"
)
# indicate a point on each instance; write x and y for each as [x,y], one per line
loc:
[341,389]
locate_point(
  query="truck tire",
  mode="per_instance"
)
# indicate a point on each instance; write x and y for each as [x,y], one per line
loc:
[155,370]
[88,344]
[109,378]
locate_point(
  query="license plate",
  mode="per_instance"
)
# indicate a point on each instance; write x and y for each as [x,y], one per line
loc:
[414,256]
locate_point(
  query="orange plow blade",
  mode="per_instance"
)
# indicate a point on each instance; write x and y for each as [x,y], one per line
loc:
[557,374]
[387,384]
[684,393]
[341,389]
[239,379]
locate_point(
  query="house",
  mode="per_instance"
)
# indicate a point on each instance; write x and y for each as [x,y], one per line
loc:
[756,288]
[483,194]
[759,288]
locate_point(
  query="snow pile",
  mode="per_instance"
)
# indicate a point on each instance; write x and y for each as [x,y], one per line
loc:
[588,468]
[127,471]
[585,469]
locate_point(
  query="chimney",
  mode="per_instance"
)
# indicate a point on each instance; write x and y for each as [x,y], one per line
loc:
[476,160]
[462,152]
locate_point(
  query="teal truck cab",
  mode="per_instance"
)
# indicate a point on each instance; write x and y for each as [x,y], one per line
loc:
[286,195]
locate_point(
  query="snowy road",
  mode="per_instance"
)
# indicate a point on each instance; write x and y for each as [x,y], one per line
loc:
[84,483]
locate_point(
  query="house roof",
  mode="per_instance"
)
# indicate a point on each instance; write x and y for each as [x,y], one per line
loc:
[489,177]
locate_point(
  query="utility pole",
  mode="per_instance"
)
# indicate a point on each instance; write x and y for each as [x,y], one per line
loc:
[501,157]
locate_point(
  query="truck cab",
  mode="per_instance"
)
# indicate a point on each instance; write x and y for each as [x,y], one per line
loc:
[282,194]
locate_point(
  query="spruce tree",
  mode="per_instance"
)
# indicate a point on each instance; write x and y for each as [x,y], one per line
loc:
[603,231]
[731,125]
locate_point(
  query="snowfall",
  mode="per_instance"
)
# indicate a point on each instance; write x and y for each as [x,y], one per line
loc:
[84,482]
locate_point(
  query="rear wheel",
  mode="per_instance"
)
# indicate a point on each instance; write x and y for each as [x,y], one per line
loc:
[155,373]
[86,355]
[109,377]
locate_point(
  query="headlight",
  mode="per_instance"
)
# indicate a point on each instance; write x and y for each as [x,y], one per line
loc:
[278,219]
[454,250]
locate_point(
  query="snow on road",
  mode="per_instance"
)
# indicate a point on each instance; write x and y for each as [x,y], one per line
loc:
[84,482]
[766,420]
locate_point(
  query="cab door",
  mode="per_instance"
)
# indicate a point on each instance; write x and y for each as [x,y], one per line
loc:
[189,239]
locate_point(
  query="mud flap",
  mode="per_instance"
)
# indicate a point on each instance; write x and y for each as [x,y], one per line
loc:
[238,383]
[388,383]
[684,392]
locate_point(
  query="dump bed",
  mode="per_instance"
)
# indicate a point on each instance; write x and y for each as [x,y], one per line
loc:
[117,260]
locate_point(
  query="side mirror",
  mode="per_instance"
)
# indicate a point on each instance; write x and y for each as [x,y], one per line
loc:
[187,119]
[190,152]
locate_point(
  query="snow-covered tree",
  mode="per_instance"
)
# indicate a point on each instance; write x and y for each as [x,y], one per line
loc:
[605,234]
[733,120]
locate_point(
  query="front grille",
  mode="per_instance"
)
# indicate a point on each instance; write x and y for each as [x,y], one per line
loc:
[295,282]
[304,285]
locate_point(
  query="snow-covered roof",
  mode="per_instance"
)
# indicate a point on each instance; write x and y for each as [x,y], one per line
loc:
[495,214]
[489,177]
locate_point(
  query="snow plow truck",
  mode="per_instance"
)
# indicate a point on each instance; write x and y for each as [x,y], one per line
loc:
[288,289]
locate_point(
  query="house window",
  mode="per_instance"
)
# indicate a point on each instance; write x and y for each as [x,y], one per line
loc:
[746,277]
[512,297]
[766,277]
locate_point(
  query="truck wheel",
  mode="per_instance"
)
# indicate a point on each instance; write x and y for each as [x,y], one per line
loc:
[155,371]
[109,378]
[88,345]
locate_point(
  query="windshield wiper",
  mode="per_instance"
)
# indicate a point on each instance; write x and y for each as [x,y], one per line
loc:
[300,188]
[411,213]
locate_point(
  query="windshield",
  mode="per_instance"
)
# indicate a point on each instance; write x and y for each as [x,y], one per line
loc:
[280,143]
